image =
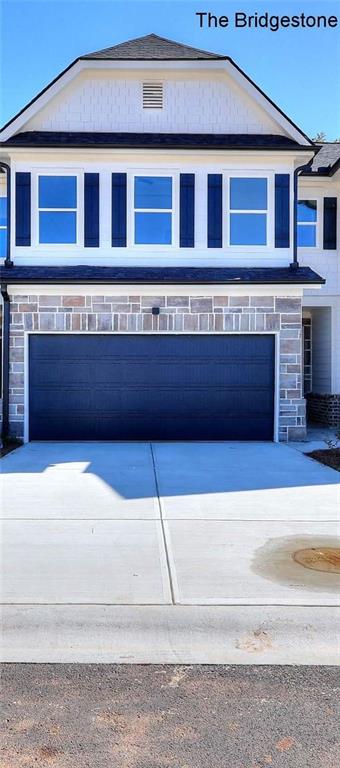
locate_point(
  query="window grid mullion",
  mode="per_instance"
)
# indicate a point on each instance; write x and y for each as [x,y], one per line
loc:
[56,210]
[154,210]
[247,210]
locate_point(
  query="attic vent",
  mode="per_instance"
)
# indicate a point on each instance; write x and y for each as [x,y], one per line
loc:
[152,95]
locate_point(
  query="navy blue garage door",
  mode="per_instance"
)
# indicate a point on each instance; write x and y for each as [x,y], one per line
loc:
[157,387]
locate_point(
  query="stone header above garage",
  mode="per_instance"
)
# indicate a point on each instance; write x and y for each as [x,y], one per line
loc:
[80,312]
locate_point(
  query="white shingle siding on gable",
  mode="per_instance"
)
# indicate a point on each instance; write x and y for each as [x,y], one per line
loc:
[112,103]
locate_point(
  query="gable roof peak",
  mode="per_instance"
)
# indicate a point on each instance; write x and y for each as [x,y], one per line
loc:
[152,47]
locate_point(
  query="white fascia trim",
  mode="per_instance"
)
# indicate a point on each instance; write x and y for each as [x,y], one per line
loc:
[215,155]
[156,290]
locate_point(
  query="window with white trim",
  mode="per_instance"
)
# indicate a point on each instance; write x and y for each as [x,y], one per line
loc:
[57,204]
[307,222]
[248,210]
[153,210]
[3,226]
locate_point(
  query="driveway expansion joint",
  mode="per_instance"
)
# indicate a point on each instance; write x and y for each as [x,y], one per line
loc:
[173,600]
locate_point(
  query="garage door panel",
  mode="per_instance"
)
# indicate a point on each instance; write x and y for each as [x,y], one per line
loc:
[124,371]
[201,402]
[153,387]
[53,372]
[60,399]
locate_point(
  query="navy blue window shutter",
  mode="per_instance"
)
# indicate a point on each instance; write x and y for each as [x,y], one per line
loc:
[329,223]
[282,210]
[187,210]
[91,210]
[214,210]
[119,210]
[23,208]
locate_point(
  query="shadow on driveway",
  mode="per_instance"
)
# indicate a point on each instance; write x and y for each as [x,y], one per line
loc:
[181,468]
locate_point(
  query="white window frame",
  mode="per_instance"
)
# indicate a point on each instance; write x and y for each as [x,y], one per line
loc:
[315,224]
[248,174]
[79,210]
[131,210]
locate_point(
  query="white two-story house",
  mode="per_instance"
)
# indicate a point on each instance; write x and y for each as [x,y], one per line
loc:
[160,272]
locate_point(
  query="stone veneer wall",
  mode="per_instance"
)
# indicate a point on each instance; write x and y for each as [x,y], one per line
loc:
[98,314]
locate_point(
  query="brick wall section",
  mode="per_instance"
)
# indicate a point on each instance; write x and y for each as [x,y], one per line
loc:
[324,409]
[132,314]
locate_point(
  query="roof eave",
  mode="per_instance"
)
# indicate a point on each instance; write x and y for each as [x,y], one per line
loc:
[155,59]
[108,281]
[149,280]
[219,148]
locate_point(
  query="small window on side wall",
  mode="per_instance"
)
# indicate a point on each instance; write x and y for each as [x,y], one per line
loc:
[307,219]
[153,210]
[248,211]
[57,209]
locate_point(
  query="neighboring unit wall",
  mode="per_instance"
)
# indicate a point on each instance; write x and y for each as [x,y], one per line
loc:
[324,304]
[325,262]
[89,311]
[324,409]
[321,350]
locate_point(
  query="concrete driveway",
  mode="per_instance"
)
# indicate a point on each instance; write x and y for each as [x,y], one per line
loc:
[155,524]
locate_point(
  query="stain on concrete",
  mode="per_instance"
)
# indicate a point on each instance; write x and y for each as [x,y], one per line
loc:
[255,642]
[325,559]
[275,561]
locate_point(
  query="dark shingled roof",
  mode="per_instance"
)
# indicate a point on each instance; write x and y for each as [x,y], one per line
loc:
[326,161]
[152,47]
[152,140]
[160,275]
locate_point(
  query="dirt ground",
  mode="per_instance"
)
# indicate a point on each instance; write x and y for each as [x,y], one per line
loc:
[328,456]
[8,446]
[125,716]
